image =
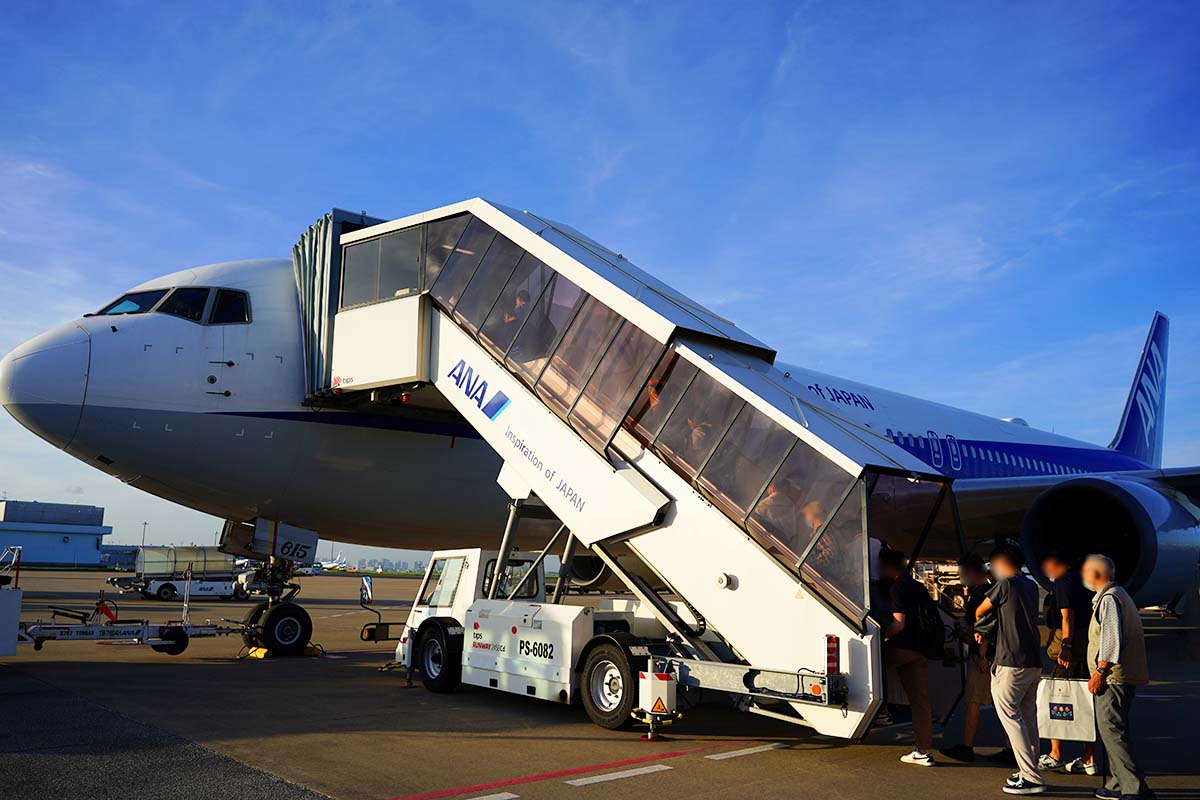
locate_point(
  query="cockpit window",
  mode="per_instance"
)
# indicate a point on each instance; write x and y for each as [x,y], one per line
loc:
[187,303]
[134,302]
[231,307]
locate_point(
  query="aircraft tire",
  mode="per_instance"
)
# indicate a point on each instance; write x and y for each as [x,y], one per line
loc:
[285,629]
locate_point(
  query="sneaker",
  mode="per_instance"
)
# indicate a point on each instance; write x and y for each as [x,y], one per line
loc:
[1081,767]
[1050,762]
[1023,786]
[918,758]
[1004,756]
[883,719]
[1013,779]
[960,752]
[1107,794]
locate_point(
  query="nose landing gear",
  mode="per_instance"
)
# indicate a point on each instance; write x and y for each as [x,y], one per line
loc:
[276,626]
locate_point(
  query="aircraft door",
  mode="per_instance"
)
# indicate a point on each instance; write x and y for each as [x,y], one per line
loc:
[230,319]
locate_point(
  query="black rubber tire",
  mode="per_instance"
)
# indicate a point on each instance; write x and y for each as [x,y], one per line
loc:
[166,592]
[178,639]
[250,621]
[240,594]
[438,656]
[285,629]
[608,687]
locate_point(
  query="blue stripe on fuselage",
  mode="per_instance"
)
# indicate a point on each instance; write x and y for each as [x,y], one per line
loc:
[989,459]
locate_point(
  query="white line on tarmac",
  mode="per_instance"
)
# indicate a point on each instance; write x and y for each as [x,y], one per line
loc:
[501,796]
[614,776]
[749,751]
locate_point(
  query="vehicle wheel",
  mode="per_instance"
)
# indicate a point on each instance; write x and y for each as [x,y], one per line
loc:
[439,657]
[285,629]
[240,594]
[608,687]
[250,621]
[178,642]
[166,592]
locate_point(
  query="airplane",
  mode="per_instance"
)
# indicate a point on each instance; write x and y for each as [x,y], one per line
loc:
[192,387]
[338,563]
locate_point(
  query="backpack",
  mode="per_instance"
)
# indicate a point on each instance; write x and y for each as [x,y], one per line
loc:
[931,632]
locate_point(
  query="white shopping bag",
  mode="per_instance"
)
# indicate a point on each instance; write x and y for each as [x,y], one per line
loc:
[1066,710]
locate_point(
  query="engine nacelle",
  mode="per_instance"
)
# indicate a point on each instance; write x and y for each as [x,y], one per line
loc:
[1152,534]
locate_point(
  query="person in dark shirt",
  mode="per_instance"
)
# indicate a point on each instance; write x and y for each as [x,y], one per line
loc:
[902,651]
[978,692]
[1017,667]
[1068,618]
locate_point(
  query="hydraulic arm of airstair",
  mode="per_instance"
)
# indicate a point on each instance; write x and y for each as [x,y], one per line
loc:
[765,537]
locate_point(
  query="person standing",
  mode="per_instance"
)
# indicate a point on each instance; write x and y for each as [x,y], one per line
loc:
[1068,619]
[902,651]
[1017,668]
[1116,656]
[981,650]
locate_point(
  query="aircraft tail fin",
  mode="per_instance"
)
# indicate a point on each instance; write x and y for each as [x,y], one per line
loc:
[1140,433]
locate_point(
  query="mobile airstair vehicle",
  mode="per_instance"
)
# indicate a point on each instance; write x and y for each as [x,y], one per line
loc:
[651,440]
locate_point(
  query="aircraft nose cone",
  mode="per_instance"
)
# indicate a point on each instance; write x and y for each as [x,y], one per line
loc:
[42,382]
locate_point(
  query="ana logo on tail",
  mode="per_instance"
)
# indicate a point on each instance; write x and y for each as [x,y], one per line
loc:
[1150,391]
[1142,438]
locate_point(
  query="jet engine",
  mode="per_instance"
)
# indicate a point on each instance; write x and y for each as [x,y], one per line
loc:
[1151,532]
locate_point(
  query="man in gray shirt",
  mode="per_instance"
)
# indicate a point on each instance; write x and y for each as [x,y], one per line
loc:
[1117,659]
[1017,667]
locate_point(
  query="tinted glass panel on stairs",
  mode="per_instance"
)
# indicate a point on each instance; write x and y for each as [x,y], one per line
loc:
[697,424]
[440,238]
[542,330]
[360,273]
[798,499]
[485,286]
[658,399]
[400,263]
[460,267]
[512,308]
[576,355]
[610,390]
[748,455]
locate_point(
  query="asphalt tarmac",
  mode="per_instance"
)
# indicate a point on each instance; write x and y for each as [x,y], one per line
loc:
[85,720]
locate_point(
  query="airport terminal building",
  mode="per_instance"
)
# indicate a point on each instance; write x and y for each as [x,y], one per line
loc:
[58,534]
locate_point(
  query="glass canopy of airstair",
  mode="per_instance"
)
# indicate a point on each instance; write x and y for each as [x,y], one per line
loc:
[633,367]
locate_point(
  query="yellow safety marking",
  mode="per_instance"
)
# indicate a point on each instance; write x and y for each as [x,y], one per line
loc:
[659,707]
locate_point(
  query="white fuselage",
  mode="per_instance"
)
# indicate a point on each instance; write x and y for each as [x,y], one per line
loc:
[212,417]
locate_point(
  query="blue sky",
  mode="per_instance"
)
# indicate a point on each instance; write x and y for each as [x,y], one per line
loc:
[978,205]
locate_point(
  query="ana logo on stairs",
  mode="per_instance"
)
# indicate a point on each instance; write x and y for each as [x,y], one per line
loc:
[476,389]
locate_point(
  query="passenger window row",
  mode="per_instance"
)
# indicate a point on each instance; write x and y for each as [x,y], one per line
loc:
[1004,463]
[230,306]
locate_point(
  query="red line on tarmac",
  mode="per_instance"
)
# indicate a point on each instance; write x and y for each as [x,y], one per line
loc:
[483,787]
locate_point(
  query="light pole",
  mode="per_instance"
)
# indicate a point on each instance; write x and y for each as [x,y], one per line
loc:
[144,524]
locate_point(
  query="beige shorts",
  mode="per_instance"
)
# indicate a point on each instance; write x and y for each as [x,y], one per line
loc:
[979,683]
